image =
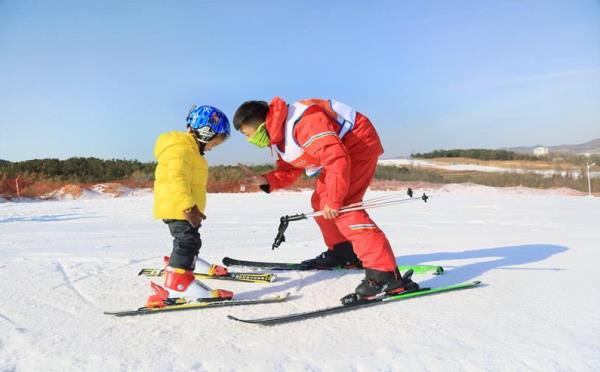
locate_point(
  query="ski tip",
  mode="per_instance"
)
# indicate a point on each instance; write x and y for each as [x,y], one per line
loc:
[276,297]
[119,313]
[226,261]
[281,296]
[471,283]
[247,321]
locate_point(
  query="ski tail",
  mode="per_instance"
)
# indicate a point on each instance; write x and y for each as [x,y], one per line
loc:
[422,269]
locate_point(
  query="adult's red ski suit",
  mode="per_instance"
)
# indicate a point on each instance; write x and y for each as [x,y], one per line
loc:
[348,165]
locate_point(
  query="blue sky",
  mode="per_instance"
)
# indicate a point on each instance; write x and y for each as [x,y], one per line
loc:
[105,78]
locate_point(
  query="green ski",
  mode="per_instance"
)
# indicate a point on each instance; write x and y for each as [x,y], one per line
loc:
[358,304]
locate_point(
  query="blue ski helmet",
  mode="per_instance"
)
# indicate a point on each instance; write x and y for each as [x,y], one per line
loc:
[207,122]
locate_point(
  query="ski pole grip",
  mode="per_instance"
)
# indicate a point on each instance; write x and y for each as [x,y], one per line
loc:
[295,217]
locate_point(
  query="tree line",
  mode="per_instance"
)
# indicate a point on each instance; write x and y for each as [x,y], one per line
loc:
[77,169]
[481,154]
[90,170]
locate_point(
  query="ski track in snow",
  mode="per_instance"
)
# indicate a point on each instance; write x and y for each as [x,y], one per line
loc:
[71,284]
[64,262]
[15,325]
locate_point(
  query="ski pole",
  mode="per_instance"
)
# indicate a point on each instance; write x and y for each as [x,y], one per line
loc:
[373,203]
[350,208]
[409,192]
[284,221]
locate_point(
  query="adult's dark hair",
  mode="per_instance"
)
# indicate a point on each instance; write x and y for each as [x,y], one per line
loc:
[251,113]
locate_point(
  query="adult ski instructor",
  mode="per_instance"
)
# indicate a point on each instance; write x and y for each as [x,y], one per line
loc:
[328,139]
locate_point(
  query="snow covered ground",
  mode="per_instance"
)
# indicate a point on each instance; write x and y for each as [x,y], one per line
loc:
[63,262]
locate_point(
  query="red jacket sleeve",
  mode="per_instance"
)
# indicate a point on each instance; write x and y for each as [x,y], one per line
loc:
[316,132]
[282,176]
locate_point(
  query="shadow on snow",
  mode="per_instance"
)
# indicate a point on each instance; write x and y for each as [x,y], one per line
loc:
[46,218]
[492,259]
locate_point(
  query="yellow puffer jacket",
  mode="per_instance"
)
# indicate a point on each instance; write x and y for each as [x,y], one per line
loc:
[180,177]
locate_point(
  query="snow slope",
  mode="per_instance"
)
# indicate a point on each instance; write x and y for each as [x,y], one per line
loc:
[482,168]
[63,262]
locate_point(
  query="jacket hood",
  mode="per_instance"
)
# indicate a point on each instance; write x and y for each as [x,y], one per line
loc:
[175,138]
[275,122]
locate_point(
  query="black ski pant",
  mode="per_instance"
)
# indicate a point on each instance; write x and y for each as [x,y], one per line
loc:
[186,244]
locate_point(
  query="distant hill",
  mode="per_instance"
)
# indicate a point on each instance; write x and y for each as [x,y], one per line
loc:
[591,147]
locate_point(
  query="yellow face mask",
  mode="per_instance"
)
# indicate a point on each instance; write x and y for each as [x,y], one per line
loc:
[260,137]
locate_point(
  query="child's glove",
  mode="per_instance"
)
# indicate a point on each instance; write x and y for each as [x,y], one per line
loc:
[194,216]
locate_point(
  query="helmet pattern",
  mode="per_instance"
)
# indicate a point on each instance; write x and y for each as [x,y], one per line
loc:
[207,122]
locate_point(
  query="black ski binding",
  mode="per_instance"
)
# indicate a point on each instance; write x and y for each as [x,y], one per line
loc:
[349,299]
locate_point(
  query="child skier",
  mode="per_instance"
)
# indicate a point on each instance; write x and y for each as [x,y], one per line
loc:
[180,199]
[331,140]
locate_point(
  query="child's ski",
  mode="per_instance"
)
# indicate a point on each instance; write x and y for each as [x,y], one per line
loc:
[354,305]
[418,269]
[196,305]
[235,276]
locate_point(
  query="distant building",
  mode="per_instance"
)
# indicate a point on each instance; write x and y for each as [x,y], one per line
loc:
[541,151]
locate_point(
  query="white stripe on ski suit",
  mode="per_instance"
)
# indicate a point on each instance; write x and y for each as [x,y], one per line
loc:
[345,115]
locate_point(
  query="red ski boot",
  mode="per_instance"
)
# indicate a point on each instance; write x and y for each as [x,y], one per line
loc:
[204,267]
[181,285]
